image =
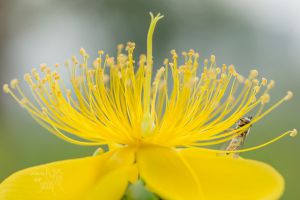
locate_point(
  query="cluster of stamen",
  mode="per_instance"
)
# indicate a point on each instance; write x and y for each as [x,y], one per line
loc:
[116,101]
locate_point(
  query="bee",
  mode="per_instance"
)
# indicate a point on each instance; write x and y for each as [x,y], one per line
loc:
[237,142]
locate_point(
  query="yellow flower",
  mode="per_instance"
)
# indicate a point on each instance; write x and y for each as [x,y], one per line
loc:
[157,130]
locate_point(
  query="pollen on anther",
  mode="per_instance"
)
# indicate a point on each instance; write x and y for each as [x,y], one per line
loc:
[14,83]
[264,81]
[224,67]
[288,96]
[256,89]
[27,77]
[240,78]
[231,69]
[82,52]
[271,84]
[265,98]
[43,67]
[6,88]
[294,132]
[212,58]
[253,73]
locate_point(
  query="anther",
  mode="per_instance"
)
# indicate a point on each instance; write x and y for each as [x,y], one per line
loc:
[174,54]
[191,52]
[265,98]
[110,61]
[264,81]
[120,48]
[130,46]
[56,75]
[205,62]
[288,96]
[56,65]
[6,88]
[224,67]
[97,61]
[212,59]
[240,78]
[166,61]
[27,77]
[253,73]
[271,84]
[231,69]
[294,132]
[256,89]
[43,67]
[14,83]
[82,52]
[74,59]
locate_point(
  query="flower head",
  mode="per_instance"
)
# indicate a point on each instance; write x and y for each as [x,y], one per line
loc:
[154,124]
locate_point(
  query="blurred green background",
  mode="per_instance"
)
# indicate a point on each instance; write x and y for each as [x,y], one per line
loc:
[260,34]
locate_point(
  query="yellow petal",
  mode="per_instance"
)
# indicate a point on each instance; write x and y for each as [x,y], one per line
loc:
[134,174]
[167,174]
[229,178]
[71,179]
[112,186]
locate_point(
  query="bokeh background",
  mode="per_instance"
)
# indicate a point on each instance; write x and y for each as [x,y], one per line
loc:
[259,34]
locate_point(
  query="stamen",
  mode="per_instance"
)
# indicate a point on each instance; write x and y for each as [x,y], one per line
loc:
[291,133]
[117,102]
